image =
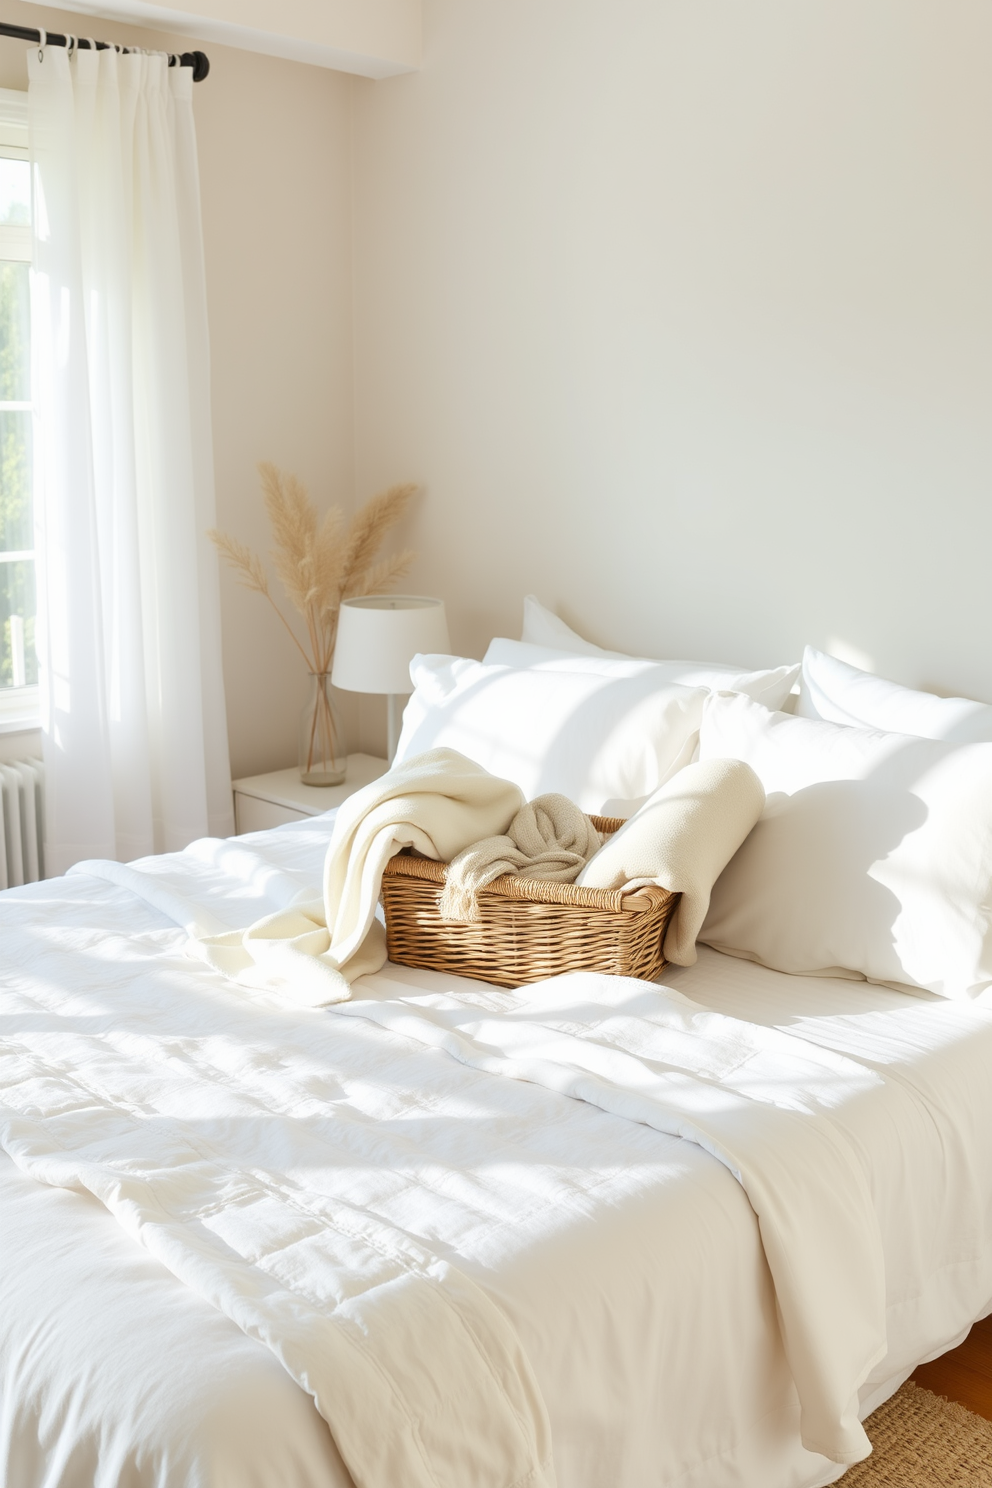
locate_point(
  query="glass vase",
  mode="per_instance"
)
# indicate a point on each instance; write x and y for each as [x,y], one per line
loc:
[322,757]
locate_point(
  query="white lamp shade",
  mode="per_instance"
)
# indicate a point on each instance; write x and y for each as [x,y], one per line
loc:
[378,637]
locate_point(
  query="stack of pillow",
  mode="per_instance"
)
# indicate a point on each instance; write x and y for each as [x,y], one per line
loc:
[606,730]
[873,856]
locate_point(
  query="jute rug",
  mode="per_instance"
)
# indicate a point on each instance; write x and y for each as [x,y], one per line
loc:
[923,1441]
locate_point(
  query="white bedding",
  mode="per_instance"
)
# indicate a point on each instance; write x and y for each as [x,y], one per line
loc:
[628,1261]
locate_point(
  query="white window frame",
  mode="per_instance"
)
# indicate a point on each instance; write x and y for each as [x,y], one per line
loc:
[19,706]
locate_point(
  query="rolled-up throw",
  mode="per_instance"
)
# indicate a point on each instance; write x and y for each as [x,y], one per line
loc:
[548,838]
[682,838]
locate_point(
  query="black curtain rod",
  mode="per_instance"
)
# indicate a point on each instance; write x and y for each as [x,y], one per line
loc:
[199,61]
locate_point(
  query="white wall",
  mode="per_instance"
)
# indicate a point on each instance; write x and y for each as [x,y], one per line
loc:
[275,164]
[682,310]
[275,158]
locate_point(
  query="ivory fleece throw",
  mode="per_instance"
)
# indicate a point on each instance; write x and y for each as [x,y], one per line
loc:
[438,803]
[682,838]
[549,838]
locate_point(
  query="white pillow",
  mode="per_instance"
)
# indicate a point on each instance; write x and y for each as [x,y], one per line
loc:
[605,742]
[542,627]
[770,687]
[840,693]
[873,855]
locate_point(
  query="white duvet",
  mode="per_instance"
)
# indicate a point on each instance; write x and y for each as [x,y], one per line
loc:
[511,1177]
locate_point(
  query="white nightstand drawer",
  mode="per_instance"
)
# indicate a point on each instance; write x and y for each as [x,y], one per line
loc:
[263,801]
[253,815]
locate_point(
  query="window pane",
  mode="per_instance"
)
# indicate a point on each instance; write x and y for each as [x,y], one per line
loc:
[18,662]
[15,193]
[16,517]
[15,333]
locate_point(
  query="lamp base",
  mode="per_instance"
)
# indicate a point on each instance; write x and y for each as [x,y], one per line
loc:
[395,702]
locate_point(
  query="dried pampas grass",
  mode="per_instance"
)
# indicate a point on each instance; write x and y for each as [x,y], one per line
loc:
[320,562]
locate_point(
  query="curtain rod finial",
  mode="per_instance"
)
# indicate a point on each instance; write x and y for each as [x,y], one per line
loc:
[200,63]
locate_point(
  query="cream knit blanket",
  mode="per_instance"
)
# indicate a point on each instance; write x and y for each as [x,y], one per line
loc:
[549,838]
[437,803]
[682,839]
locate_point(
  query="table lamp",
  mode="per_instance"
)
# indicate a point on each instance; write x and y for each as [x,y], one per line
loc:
[378,637]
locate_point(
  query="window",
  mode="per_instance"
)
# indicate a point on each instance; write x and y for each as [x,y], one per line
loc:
[18,661]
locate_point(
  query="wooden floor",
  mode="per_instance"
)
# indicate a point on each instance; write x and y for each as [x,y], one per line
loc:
[965,1374]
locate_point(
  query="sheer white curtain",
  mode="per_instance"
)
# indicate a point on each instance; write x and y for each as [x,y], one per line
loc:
[132,700]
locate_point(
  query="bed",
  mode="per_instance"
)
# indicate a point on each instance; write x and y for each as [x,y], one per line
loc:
[627,1261]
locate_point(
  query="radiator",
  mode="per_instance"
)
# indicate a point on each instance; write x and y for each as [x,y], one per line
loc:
[22,822]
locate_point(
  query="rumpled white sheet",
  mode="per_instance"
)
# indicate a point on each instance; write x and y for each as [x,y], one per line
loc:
[130,979]
[343,1301]
[757,1100]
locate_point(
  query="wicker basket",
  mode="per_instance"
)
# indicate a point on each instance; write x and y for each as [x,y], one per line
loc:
[528,928]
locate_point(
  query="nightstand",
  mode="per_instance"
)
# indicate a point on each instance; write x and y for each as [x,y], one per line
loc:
[262,801]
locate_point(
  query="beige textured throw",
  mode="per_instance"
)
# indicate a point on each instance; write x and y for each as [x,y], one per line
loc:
[682,838]
[437,803]
[548,838]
